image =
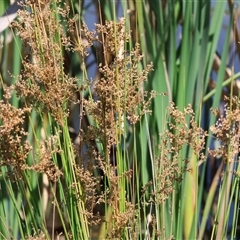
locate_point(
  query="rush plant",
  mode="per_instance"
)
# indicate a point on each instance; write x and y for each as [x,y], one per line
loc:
[123,155]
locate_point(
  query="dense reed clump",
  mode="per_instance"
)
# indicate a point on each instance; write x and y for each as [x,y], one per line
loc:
[43,82]
[171,166]
[46,89]
[118,101]
[99,180]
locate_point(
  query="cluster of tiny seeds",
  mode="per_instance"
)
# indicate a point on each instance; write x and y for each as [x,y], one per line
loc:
[43,159]
[15,149]
[226,130]
[183,130]
[43,83]
[119,90]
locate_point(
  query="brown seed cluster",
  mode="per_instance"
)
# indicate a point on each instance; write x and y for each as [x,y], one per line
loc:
[89,194]
[43,83]
[37,236]
[183,131]
[119,89]
[44,159]
[14,148]
[226,130]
